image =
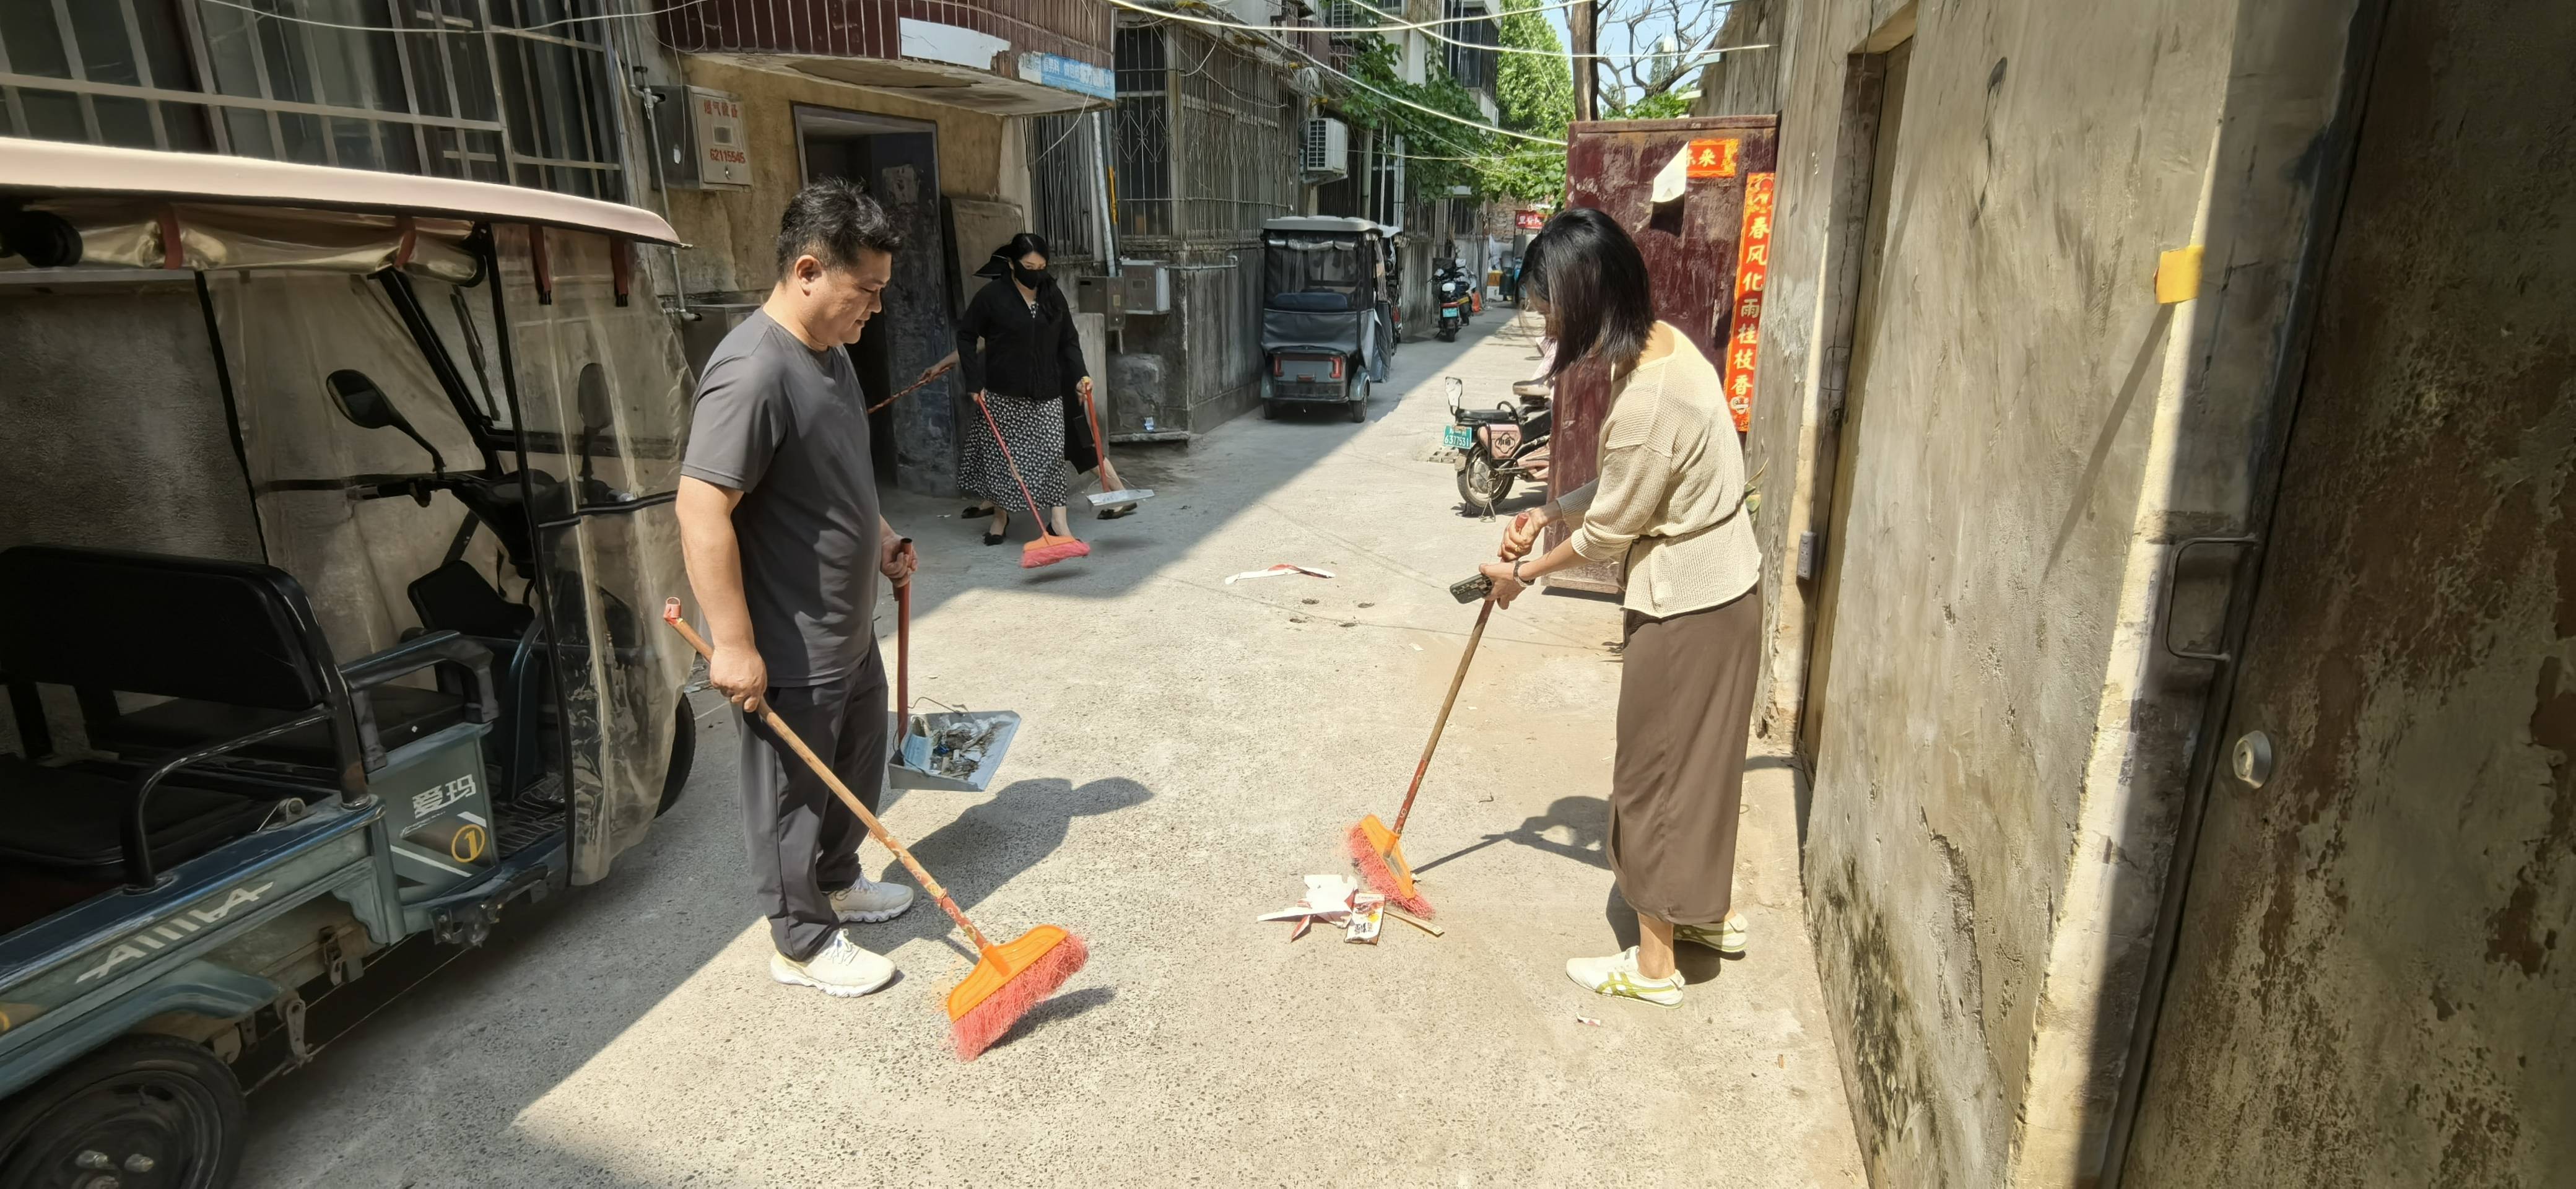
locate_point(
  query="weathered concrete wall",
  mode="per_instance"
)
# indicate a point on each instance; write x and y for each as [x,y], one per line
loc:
[730,232]
[1998,742]
[2367,988]
[1746,83]
[1209,345]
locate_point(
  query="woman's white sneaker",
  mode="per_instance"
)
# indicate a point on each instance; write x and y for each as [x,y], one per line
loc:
[1726,936]
[866,903]
[1617,975]
[841,969]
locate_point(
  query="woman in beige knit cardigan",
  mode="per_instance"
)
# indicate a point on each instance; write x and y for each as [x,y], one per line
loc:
[1669,506]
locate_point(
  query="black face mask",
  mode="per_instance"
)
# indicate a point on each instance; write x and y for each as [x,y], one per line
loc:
[1032,277]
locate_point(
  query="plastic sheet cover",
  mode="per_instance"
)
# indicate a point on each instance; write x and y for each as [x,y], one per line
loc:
[127,232]
[604,392]
[284,332]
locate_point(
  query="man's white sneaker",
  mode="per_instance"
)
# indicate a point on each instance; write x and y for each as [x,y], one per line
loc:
[841,969]
[866,903]
[1617,975]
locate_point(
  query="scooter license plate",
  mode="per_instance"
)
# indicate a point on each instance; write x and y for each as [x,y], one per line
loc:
[1448,312]
[1458,437]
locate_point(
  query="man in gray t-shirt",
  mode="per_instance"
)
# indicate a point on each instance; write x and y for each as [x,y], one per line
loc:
[779,522]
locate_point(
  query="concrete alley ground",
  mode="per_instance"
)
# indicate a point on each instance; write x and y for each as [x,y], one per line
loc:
[1190,749]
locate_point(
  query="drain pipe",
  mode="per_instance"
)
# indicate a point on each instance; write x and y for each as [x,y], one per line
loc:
[661,185]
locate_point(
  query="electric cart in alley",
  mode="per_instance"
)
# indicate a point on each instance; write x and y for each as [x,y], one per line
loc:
[1328,312]
[334,520]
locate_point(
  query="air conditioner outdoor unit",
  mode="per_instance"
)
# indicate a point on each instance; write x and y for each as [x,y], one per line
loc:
[1328,149]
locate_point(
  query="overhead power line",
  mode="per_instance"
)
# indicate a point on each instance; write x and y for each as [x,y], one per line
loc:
[1327,68]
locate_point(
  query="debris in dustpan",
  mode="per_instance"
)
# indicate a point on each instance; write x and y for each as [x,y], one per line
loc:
[959,751]
[1281,570]
[953,750]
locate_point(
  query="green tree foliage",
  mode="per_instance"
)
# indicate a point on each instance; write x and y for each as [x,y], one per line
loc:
[1536,95]
[1378,65]
[1662,105]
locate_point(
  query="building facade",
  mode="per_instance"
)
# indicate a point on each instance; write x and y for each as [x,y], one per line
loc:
[2158,455]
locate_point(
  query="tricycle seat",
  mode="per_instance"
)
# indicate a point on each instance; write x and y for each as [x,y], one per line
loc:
[402,713]
[65,821]
[1489,416]
[237,653]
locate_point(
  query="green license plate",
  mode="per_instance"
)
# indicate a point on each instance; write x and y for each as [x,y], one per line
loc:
[1458,437]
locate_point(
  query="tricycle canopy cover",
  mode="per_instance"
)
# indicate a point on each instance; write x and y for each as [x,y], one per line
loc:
[1319,264]
[597,396]
[236,212]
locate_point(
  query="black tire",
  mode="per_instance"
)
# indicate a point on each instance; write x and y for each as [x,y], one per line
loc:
[1270,410]
[1448,332]
[684,755]
[1479,486]
[137,1098]
[1359,393]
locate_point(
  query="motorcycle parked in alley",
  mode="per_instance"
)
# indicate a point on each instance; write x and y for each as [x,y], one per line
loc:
[1500,446]
[1457,302]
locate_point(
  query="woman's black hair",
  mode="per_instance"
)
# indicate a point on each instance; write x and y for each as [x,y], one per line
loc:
[1009,254]
[1593,279]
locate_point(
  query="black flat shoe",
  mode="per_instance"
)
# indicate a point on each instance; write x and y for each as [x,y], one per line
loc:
[998,538]
[971,513]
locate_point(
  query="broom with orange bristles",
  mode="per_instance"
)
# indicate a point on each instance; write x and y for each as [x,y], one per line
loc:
[1379,851]
[1007,980]
[1048,549]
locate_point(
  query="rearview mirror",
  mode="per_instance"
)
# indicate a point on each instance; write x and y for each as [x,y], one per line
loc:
[367,407]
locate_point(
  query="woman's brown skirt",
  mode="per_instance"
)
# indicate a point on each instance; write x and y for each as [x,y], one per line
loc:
[1685,708]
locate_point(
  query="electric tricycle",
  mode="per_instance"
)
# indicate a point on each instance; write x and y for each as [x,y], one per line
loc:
[1327,312]
[337,507]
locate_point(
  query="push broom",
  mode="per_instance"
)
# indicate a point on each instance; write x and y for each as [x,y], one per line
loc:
[1106,500]
[1379,851]
[1048,549]
[1007,980]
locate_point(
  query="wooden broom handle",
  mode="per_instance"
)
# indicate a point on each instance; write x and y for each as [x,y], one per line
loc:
[902,662]
[876,829]
[1099,441]
[1433,744]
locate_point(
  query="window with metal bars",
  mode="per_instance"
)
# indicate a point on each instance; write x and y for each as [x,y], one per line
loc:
[1239,141]
[492,90]
[1064,202]
[1143,198]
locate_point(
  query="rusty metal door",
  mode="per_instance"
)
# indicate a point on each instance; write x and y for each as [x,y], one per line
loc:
[2377,948]
[1691,253]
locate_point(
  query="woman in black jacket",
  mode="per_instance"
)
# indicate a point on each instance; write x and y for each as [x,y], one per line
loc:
[1017,344]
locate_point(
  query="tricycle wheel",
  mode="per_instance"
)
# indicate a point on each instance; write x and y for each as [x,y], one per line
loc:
[140,1111]
[1359,390]
[1479,485]
[1270,410]
[684,755]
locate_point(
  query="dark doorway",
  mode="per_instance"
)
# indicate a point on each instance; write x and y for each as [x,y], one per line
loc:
[914,441]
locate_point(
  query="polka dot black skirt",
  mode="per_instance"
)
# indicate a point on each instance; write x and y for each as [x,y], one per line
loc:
[1035,431]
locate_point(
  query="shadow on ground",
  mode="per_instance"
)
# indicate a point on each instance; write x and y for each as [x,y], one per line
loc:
[1255,457]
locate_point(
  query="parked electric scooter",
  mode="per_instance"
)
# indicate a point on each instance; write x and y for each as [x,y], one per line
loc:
[1449,284]
[1497,446]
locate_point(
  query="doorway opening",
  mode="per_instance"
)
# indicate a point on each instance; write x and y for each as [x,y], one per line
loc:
[912,443]
[1873,124]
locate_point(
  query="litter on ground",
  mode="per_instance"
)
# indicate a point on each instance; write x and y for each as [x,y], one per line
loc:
[1281,570]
